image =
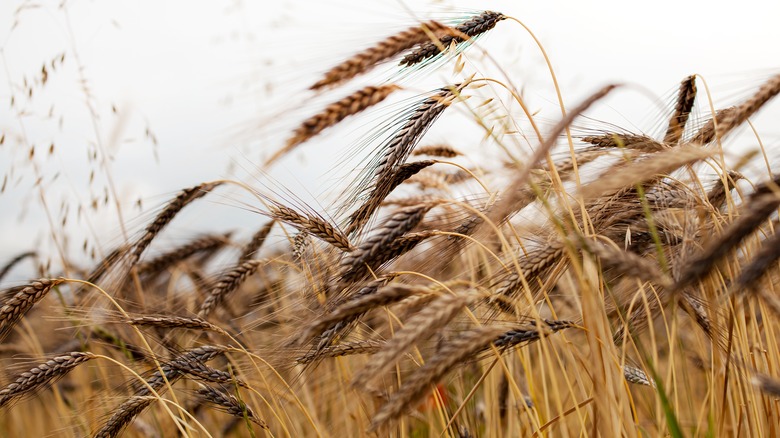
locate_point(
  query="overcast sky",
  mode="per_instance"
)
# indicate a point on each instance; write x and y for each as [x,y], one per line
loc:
[216,82]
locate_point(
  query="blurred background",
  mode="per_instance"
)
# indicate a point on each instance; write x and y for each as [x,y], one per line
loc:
[109,108]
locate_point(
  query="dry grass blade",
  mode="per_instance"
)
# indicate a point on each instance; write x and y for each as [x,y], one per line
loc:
[421,326]
[22,301]
[363,61]
[682,110]
[642,170]
[465,31]
[416,385]
[228,403]
[42,375]
[227,283]
[333,114]
[163,218]
[344,349]
[255,242]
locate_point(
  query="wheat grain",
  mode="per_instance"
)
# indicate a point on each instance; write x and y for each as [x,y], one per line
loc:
[333,114]
[166,321]
[686,97]
[227,283]
[418,328]
[416,385]
[255,242]
[167,214]
[465,31]
[391,46]
[313,225]
[42,375]
[229,404]
[22,301]
[344,349]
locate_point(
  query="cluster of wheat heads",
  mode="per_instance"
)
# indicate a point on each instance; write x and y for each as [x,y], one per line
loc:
[621,288]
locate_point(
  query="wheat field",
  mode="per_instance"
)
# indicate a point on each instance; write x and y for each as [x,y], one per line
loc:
[564,278]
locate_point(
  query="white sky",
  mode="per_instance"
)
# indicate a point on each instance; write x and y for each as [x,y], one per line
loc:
[217,81]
